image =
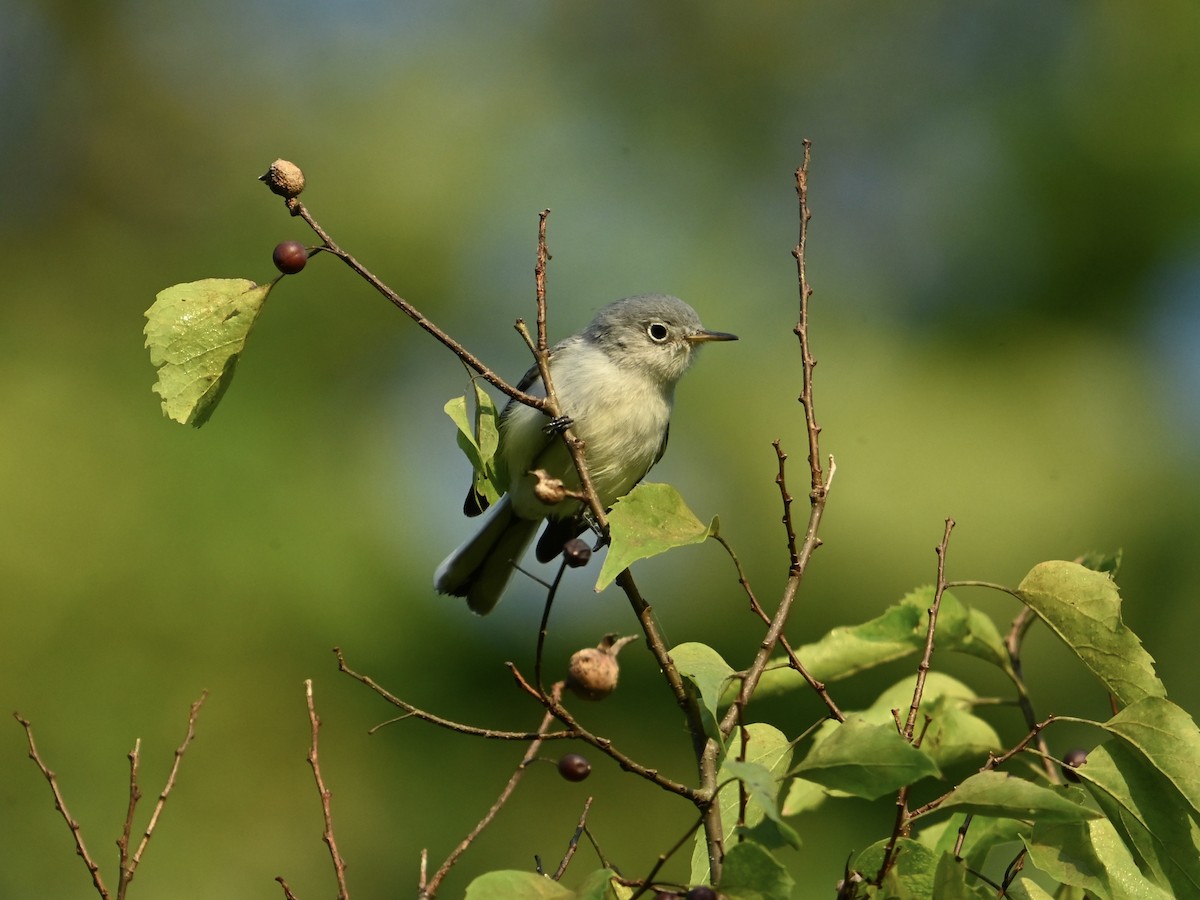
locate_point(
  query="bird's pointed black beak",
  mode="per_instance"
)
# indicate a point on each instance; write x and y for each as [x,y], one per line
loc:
[701,337]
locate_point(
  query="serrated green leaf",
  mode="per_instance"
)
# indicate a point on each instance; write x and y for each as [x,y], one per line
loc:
[768,757]
[708,672]
[865,760]
[649,520]
[1110,563]
[1083,608]
[750,872]
[1000,794]
[1154,820]
[1090,855]
[516,885]
[1167,737]
[196,332]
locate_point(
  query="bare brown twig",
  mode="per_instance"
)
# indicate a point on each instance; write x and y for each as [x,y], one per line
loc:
[926,658]
[429,889]
[61,805]
[820,483]
[299,209]
[128,863]
[573,844]
[415,712]
[314,760]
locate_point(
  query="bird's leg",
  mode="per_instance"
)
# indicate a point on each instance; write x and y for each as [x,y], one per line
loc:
[558,425]
[602,537]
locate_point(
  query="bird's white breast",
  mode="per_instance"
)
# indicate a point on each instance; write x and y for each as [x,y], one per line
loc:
[620,413]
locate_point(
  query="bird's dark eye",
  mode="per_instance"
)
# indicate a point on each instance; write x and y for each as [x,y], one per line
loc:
[657,331]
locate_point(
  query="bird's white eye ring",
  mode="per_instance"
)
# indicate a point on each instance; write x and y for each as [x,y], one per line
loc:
[658,332]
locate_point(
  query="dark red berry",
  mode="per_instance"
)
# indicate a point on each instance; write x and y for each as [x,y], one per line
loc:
[702,892]
[574,767]
[576,553]
[1073,759]
[289,257]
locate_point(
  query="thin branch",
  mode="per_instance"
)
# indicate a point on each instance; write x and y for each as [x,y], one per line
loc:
[193,713]
[820,483]
[554,707]
[794,662]
[429,889]
[580,829]
[339,864]
[544,627]
[993,762]
[927,657]
[299,209]
[646,883]
[539,277]
[135,794]
[786,497]
[61,805]
[1012,644]
[417,713]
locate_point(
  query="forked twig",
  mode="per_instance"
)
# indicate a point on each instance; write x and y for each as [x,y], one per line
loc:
[128,863]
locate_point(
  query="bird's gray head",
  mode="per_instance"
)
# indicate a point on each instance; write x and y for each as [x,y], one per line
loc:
[657,333]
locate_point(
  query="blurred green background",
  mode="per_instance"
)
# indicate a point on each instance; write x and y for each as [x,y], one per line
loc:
[1005,249]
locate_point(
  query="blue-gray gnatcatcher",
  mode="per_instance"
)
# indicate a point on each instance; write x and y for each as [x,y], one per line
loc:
[615,381]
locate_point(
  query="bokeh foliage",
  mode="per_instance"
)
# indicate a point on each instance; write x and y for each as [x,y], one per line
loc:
[1004,248]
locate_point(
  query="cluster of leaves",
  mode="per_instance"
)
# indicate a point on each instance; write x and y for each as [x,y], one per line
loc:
[1130,827]
[1124,824]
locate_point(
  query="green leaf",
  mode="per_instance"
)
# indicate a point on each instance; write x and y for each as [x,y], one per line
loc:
[1109,563]
[1028,889]
[803,796]
[760,783]
[601,885]
[913,874]
[708,672]
[984,835]
[865,760]
[516,885]
[649,520]
[479,437]
[1154,820]
[1083,607]
[955,733]
[898,632]
[750,872]
[1000,794]
[952,881]
[195,333]
[1167,737]
[1090,855]
[768,757]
